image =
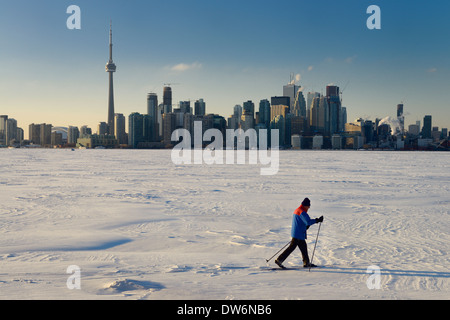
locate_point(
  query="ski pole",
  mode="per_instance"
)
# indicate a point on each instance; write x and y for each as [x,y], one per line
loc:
[312,258]
[267,260]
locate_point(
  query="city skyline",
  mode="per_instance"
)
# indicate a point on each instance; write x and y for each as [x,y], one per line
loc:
[231,61]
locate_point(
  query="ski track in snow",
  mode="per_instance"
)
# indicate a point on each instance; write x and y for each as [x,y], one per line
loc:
[140,227]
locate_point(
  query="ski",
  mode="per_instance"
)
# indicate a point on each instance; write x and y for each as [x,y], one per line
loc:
[290,268]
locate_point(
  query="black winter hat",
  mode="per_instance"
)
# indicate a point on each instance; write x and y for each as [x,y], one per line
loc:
[306,202]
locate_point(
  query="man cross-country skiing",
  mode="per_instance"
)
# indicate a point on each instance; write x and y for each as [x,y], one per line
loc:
[300,223]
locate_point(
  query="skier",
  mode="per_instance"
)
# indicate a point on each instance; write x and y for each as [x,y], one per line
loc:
[300,223]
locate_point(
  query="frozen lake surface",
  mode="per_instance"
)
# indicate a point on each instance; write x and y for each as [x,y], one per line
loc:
[140,227]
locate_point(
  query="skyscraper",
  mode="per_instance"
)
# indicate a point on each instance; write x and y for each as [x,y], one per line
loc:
[167,99]
[279,123]
[297,100]
[102,128]
[278,109]
[343,118]
[41,134]
[185,107]
[73,133]
[401,117]
[334,110]
[46,134]
[152,110]
[110,68]
[3,127]
[249,108]
[247,121]
[34,133]
[237,112]
[200,107]
[319,118]
[309,98]
[135,129]
[286,101]
[264,112]
[147,128]
[119,126]
[169,125]
[427,125]
[323,116]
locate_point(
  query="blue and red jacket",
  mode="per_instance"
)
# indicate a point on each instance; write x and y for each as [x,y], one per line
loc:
[300,222]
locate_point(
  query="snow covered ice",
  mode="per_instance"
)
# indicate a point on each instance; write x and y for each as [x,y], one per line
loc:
[140,227]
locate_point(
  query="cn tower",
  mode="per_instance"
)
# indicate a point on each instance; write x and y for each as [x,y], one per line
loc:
[110,68]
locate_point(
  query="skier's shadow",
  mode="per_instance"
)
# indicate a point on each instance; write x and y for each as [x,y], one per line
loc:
[406,273]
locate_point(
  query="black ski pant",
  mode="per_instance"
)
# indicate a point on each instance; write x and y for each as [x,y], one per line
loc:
[301,244]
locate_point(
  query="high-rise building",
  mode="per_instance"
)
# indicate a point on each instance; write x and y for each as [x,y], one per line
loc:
[249,108]
[185,107]
[179,118]
[188,122]
[152,104]
[169,125]
[207,122]
[41,134]
[343,118]
[247,121]
[110,68]
[333,122]
[324,115]
[237,113]
[3,129]
[152,110]
[414,129]
[167,99]
[279,123]
[140,130]
[233,122]
[57,139]
[401,118]
[20,135]
[147,128]
[290,90]
[135,129]
[85,131]
[73,133]
[314,114]
[11,131]
[309,98]
[319,118]
[367,131]
[427,125]
[264,112]
[220,123]
[278,110]
[102,128]
[298,125]
[119,127]
[34,133]
[200,107]
[286,101]
[297,104]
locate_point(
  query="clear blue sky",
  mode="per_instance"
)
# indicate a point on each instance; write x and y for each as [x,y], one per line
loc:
[225,52]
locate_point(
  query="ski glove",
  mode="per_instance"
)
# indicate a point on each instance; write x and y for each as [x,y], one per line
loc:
[319,219]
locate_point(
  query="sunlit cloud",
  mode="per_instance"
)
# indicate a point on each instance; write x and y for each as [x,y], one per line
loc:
[182,67]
